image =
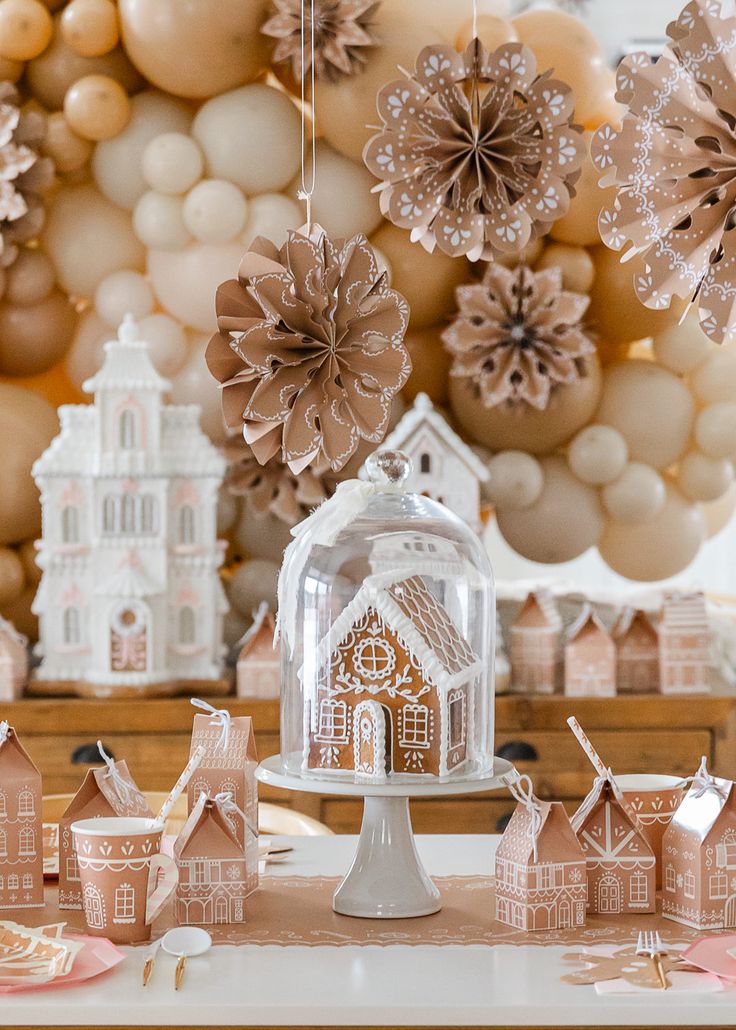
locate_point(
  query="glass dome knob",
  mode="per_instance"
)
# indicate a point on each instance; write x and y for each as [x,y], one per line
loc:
[388,468]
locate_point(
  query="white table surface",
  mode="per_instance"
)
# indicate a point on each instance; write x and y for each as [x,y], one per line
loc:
[420,985]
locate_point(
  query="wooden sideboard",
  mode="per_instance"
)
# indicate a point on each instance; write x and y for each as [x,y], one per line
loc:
[633,734]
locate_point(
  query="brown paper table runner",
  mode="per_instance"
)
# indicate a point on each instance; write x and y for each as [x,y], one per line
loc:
[289,910]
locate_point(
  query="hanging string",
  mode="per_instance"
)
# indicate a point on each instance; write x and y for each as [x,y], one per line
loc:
[475,18]
[226,802]
[221,715]
[121,786]
[522,790]
[305,193]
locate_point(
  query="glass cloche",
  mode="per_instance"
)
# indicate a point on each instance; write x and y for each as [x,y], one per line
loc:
[387,619]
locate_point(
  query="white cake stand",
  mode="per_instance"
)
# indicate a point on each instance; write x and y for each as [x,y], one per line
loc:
[387,879]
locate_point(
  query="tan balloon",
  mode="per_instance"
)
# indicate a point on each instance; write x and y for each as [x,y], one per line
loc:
[87,238]
[28,423]
[270,215]
[718,514]
[30,278]
[598,454]
[12,576]
[228,511]
[430,365]
[715,379]
[86,352]
[580,225]
[637,495]
[193,384]
[427,281]
[34,337]
[575,265]
[650,407]
[261,536]
[683,347]
[492,31]
[447,18]
[522,427]
[254,581]
[715,430]
[97,107]
[20,614]
[516,480]
[702,478]
[10,71]
[167,343]
[564,521]
[25,29]
[659,548]
[234,626]
[342,201]
[185,281]
[90,27]
[196,49]
[68,150]
[31,572]
[530,255]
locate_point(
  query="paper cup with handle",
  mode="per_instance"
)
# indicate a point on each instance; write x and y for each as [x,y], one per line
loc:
[124,879]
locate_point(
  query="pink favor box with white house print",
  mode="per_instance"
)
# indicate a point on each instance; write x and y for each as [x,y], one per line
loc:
[21,827]
[684,644]
[259,662]
[534,641]
[590,658]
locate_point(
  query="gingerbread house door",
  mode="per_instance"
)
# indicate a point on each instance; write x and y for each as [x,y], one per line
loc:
[609,896]
[369,740]
[129,638]
[729,913]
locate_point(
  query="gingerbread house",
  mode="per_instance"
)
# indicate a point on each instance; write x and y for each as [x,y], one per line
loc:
[684,644]
[620,862]
[535,644]
[590,658]
[214,878]
[540,870]
[259,665]
[699,856]
[21,827]
[13,661]
[398,693]
[637,652]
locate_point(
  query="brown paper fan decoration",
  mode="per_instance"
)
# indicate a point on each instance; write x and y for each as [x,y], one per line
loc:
[310,349]
[342,34]
[674,161]
[518,335]
[477,153]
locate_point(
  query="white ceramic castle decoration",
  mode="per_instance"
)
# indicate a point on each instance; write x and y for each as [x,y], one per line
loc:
[684,644]
[13,661]
[444,467]
[130,599]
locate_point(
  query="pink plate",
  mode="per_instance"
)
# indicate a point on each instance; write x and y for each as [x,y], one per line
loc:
[97,956]
[710,954]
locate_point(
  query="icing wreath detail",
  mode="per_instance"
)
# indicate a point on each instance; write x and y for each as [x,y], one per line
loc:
[477,153]
[310,349]
[517,335]
[674,163]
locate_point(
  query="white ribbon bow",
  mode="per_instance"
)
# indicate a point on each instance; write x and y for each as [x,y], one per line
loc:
[4,730]
[122,787]
[705,783]
[227,803]
[217,713]
[521,789]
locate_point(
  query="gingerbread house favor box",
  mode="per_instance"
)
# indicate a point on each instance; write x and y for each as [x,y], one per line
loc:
[699,856]
[620,862]
[214,876]
[684,644]
[106,791]
[259,662]
[534,640]
[541,880]
[590,658]
[13,661]
[21,827]
[637,652]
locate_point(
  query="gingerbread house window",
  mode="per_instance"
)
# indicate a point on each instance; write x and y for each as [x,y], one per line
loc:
[186,524]
[26,842]
[70,524]
[726,855]
[669,878]
[27,880]
[200,873]
[374,658]
[689,884]
[415,726]
[70,625]
[13,882]
[718,886]
[26,804]
[638,890]
[72,868]
[128,514]
[333,721]
[127,429]
[148,513]
[2,881]
[546,877]
[109,514]
[3,844]
[124,903]
[200,787]
[187,625]
[3,805]
[425,463]
[457,718]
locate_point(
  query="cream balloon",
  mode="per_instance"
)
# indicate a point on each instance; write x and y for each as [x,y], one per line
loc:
[575,265]
[117,163]
[659,548]
[30,278]
[254,582]
[28,423]
[172,163]
[636,496]
[123,293]
[193,384]
[564,521]
[87,238]
[86,353]
[650,407]
[516,480]
[185,281]
[270,215]
[90,27]
[12,576]
[598,454]
[158,221]
[214,211]
[250,137]
[683,347]
[261,536]
[718,514]
[715,430]
[166,341]
[702,478]
[34,337]
[342,202]
[715,379]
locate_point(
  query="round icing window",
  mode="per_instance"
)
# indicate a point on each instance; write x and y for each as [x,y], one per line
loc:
[128,619]
[374,658]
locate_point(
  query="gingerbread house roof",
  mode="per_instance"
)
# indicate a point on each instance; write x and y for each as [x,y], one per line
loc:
[556,840]
[605,789]
[700,809]
[258,640]
[418,619]
[539,611]
[684,611]
[207,834]
[11,751]
[629,619]
[586,620]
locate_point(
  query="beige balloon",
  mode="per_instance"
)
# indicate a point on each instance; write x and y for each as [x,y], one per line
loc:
[68,151]
[521,427]
[228,511]
[167,343]
[28,423]
[492,31]
[636,496]
[185,281]
[715,430]
[172,163]
[158,221]
[702,478]
[97,107]
[575,265]
[447,18]
[683,347]
[193,384]
[579,226]
[31,572]
[598,454]
[214,211]
[25,29]
[34,337]
[564,521]
[12,576]
[30,278]
[19,613]
[234,627]
[715,379]
[270,215]
[11,71]
[254,581]
[86,353]
[90,27]
[123,293]
[342,201]
[659,548]
[198,49]
[516,480]
[650,407]
[718,514]
[430,364]
[261,536]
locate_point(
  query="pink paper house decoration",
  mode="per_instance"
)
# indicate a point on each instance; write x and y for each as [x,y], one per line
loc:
[637,653]
[535,642]
[699,856]
[590,658]
[213,872]
[684,644]
[259,663]
[21,827]
[546,888]
[13,661]
[621,866]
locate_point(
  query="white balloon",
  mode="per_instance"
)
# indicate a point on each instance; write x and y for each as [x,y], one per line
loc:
[715,430]
[123,293]
[704,479]
[715,379]
[166,341]
[271,215]
[86,352]
[684,346]
[214,211]
[638,494]
[342,202]
[516,480]
[158,220]
[250,136]
[598,454]
[193,384]
[254,581]
[172,163]
[185,281]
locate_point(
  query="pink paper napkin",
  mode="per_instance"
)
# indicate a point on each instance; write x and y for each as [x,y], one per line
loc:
[709,953]
[97,956]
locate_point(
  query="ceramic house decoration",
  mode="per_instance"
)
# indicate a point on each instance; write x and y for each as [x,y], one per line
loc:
[620,861]
[228,767]
[130,600]
[699,855]
[13,661]
[590,658]
[443,466]
[684,644]
[106,791]
[637,653]
[535,643]
[214,878]
[259,662]
[21,827]
[541,880]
